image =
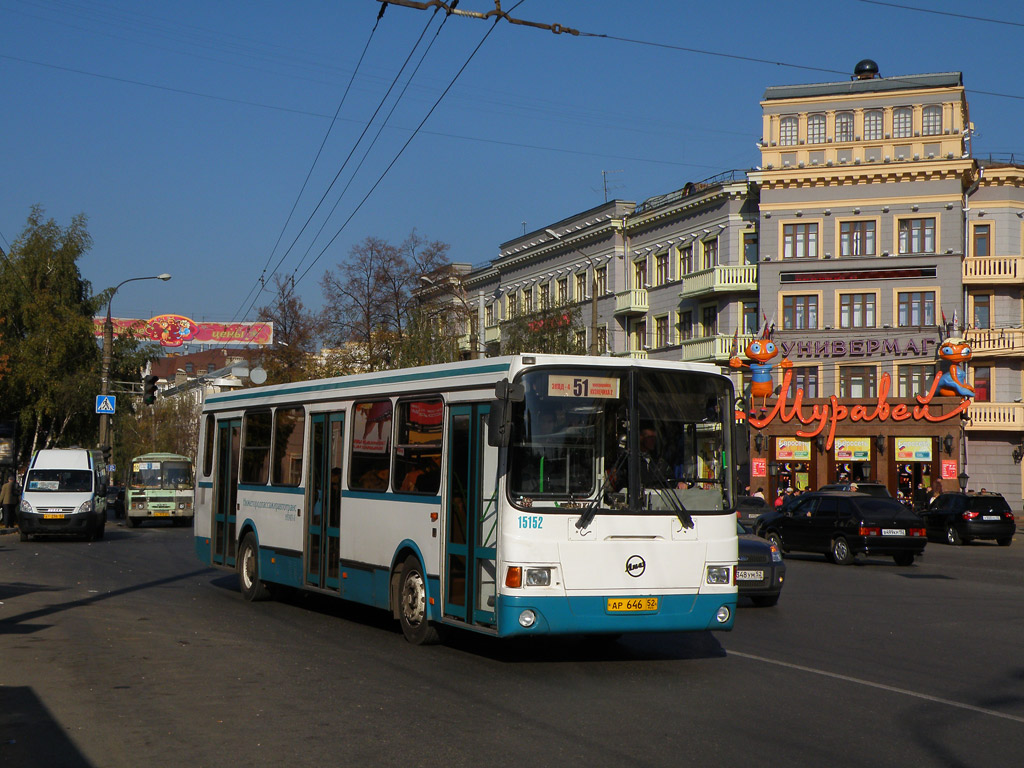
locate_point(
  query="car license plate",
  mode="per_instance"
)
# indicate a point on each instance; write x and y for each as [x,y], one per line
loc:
[53,516]
[749,575]
[894,531]
[161,514]
[990,517]
[632,604]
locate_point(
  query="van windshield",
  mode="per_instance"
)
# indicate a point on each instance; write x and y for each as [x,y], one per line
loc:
[59,480]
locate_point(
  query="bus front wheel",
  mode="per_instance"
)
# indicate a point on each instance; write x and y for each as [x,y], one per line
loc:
[412,605]
[249,571]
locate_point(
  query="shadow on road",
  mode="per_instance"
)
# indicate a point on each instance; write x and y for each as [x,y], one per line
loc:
[29,735]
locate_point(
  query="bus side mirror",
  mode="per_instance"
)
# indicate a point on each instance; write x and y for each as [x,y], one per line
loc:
[498,424]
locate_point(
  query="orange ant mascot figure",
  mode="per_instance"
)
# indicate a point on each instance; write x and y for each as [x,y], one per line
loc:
[759,352]
[954,381]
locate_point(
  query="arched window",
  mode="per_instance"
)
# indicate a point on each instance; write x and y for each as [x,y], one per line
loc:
[902,123]
[788,131]
[931,120]
[844,126]
[873,125]
[816,129]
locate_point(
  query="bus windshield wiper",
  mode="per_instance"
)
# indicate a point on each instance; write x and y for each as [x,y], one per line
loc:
[591,511]
[666,493]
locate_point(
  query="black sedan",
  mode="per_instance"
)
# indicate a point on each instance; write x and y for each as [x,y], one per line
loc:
[760,571]
[842,525]
[749,508]
[960,517]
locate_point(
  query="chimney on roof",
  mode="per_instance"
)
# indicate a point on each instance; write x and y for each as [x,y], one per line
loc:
[866,69]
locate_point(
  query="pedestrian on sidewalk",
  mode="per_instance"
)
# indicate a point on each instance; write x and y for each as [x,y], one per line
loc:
[7,507]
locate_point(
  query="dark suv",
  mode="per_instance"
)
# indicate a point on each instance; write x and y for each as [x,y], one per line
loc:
[841,525]
[960,517]
[871,489]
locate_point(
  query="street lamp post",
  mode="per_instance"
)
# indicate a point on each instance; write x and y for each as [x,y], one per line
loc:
[108,343]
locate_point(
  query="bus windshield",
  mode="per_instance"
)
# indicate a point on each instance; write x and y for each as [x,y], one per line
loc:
[167,475]
[633,440]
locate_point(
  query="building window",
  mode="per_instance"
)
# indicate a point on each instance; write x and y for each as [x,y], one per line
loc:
[982,383]
[189,368]
[931,120]
[640,273]
[545,296]
[750,317]
[750,248]
[902,123]
[579,340]
[805,377]
[686,325]
[981,240]
[513,306]
[685,260]
[710,253]
[661,331]
[800,241]
[563,290]
[581,286]
[982,311]
[601,278]
[799,313]
[857,310]
[857,381]
[602,339]
[816,129]
[640,335]
[210,369]
[844,126]
[528,301]
[916,308]
[709,320]
[914,380]
[661,269]
[873,122]
[917,235]
[857,238]
[788,131]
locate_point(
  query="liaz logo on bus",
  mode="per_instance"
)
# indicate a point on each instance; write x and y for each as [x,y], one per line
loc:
[635,566]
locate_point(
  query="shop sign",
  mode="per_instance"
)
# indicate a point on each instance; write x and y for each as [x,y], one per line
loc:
[793,450]
[759,468]
[824,418]
[914,449]
[949,469]
[858,348]
[853,449]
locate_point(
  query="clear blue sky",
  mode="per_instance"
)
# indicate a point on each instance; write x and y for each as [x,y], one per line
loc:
[185,130]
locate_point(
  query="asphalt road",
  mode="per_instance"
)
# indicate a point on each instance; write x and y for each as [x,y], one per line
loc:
[126,652]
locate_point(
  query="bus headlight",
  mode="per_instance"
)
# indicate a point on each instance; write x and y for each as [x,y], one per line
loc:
[723,614]
[538,577]
[25,507]
[527,618]
[719,574]
[85,506]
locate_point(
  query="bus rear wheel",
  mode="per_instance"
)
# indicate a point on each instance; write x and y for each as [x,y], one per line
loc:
[412,605]
[249,571]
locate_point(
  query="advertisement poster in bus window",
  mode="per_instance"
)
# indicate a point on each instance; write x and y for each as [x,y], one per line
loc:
[913,449]
[787,448]
[853,449]
[425,422]
[372,427]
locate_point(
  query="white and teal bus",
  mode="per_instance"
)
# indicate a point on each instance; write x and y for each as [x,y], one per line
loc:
[159,486]
[525,495]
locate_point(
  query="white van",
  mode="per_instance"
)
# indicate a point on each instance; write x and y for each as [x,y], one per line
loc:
[64,492]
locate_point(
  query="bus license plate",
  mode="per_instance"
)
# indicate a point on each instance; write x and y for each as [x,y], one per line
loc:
[53,517]
[161,514]
[632,604]
[749,575]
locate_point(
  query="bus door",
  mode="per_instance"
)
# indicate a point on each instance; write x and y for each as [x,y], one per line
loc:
[471,530]
[323,505]
[225,499]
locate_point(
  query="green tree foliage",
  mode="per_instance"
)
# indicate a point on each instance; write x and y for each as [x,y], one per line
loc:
[47,335]
[553,330]
[171,424]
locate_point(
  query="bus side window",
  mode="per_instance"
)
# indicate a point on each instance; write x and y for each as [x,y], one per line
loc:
[418,446]
[370,467]
[208,445]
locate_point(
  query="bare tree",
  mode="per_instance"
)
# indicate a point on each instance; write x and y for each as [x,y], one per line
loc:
[296,335]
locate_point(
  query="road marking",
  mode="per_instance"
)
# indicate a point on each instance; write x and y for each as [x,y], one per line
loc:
[880,686]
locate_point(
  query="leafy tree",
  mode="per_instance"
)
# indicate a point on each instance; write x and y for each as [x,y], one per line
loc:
[554,330]
[296,335]
[171,425]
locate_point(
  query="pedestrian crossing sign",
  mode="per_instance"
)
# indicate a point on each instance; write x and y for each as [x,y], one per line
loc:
[106,403]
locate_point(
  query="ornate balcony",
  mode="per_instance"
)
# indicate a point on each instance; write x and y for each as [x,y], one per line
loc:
[636,354]
[996,416]
[996,342]
[632,302]
[492,334]
[711,349]
[985,270]
[720,280]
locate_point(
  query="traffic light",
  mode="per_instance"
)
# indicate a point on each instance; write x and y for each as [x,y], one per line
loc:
[149,389]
